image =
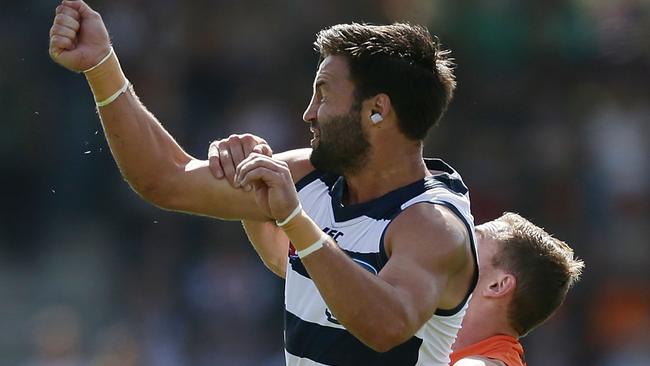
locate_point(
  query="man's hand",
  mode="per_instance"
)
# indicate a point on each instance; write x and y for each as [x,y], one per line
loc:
[275,192]
[226,154]
[78,37]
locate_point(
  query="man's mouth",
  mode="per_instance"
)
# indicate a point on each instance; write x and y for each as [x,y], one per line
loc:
[316,137]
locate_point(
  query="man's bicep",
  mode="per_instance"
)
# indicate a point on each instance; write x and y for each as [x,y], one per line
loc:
[194,190]
[419,288]
[423,249]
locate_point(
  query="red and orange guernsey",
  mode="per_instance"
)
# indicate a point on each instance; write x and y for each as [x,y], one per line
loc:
[504,348]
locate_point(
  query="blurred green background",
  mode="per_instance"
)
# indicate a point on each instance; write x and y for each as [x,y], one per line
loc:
[551,119]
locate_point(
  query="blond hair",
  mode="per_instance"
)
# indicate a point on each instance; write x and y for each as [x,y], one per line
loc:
[545,269]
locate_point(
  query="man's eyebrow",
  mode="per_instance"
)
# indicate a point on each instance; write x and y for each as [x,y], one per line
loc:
[319,83]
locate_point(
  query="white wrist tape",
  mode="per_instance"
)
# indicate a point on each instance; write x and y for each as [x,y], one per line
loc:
[293,214]
[110,53]
[312,248]
[112,98]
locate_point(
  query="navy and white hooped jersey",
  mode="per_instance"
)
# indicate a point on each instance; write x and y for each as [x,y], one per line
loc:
[313,336]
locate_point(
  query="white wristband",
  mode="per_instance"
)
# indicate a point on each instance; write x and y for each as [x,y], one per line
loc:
[112,98]
[111,52]
[293,214]
[312,248]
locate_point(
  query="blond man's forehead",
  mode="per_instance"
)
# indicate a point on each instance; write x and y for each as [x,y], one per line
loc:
[493,229]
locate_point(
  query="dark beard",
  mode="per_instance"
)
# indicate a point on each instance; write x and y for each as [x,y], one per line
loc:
[343,147]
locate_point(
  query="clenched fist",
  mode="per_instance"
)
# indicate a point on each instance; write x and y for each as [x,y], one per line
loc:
[226,154]
[78,37]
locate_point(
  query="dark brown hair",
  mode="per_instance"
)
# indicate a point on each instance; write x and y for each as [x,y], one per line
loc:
[401,60]
[545,269]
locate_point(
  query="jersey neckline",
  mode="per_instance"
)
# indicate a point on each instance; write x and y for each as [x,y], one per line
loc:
[389,204]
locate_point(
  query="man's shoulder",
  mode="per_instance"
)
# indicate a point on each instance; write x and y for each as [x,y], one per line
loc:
[430,216]
[428,222]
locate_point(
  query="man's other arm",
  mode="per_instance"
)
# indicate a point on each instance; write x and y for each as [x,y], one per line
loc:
[148,157]
[270,243]
[268,240]
[429,264]
[428,251]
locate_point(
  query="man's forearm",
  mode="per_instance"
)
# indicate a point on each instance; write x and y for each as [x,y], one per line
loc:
[270,243]
[145,153]
[369,307]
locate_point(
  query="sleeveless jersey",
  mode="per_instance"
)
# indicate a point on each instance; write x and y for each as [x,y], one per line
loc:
[313,336]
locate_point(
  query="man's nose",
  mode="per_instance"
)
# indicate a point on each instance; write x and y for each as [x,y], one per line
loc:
[310,113]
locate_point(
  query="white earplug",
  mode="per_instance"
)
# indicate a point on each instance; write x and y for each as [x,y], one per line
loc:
[376,118]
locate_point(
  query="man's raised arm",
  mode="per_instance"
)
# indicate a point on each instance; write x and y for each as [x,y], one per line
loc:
[148,157]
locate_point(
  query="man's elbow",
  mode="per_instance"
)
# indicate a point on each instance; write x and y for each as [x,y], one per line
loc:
[389,336]
[156,192]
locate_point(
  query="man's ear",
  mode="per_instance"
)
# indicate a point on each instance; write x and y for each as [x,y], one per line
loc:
[503,284]
[380,105]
